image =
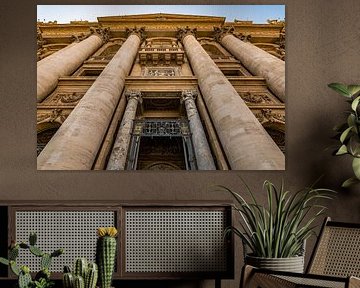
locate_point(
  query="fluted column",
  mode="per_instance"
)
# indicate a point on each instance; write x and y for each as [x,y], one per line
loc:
[119,152]
[63,63]
[256,60]
[75,145]
[245,142]
[203,154]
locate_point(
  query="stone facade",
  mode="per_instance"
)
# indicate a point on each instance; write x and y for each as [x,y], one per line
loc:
[182,92]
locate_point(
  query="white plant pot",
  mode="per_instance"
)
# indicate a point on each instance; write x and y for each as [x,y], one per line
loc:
[291,264]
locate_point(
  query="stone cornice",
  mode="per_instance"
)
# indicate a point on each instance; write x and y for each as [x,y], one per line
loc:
[183,32]
[140,32]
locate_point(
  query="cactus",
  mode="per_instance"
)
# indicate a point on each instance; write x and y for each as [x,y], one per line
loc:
[105,254]
[87,272]
[45,261]
[36,251]
[68,278]
[81,266]
[91,276]
[24,277]
[79,282]
[42,278]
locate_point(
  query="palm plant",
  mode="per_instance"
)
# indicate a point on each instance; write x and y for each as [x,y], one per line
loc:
[280,229]
[349,132]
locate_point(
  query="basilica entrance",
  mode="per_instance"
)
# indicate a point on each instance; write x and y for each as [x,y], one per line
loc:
[161,144]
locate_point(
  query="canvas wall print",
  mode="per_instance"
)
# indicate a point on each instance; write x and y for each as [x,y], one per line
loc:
[139,87]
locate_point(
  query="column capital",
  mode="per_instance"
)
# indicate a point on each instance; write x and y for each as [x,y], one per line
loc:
[188,95]
[133,94]
[79,37]
[221,32]
[103,33]
[182,32]
[140,32]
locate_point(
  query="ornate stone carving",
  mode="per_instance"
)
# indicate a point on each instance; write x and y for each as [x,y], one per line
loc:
[267,115]
[255,98]
[182,32]
[220,32]
[160,72]
[133,94]
[137,31]
[243,37]
[65,98]
[78,38]
[104,33]
[55,115]
[281,49]
[188,94]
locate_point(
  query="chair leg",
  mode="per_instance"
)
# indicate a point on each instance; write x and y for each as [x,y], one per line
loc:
[246,276]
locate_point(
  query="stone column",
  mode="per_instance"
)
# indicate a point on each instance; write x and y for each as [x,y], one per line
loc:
[119,152]
[245,142]
[258,61]
[75,145]
[204,159]
[64,62]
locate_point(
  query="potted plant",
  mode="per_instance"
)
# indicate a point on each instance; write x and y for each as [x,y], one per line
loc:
[275,235]
[42,278]
[349,132]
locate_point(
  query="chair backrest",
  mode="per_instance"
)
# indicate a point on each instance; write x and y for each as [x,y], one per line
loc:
[337,251]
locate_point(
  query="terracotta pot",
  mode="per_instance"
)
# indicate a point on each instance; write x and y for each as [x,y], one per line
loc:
[291,264]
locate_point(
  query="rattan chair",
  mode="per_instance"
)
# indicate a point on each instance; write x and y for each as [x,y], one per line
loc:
[335,262]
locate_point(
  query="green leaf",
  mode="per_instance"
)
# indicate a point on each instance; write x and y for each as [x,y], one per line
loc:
[353,89]
[341,89]
[4,261]
[342,150]
[351,120]
[345,134]
[356,167]
[350,182]
[353,145]
[355,103]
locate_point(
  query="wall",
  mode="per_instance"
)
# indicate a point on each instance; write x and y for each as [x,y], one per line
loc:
[323,46]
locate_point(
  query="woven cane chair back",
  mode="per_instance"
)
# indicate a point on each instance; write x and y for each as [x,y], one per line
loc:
[338,251]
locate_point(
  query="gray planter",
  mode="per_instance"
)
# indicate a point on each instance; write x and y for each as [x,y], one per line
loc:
[291,264]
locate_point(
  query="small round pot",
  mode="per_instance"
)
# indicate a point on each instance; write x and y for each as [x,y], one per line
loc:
[291,264]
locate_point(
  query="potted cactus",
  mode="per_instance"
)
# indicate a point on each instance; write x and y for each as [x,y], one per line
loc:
[85,275]
[42,278]
[105,254]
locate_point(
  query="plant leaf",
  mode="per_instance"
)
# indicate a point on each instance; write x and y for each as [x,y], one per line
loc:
[353,89]
[349,182]
[342,150]
[355,103]
[345,134]
[340,88]
[356,167]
